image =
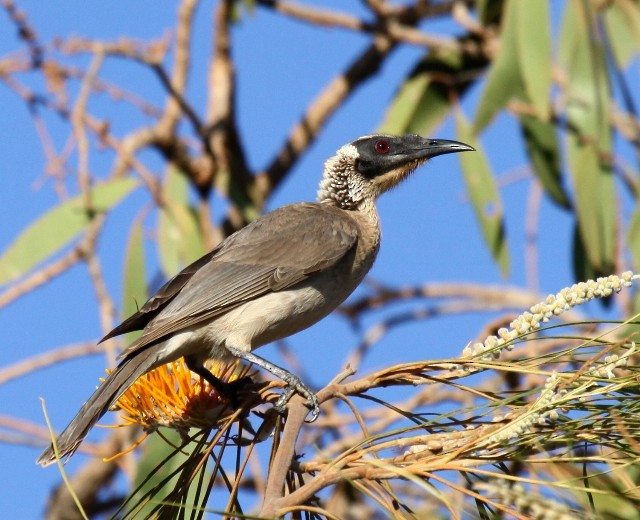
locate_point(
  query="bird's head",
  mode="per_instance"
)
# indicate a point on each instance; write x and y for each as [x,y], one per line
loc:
[367,167]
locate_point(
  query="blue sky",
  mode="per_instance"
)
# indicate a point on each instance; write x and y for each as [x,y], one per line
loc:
[429,230]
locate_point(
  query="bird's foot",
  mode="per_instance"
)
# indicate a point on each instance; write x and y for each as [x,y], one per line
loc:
[231,389]
[295,384]
[228,389]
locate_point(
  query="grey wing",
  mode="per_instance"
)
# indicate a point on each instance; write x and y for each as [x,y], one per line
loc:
[272,253]
[159,300]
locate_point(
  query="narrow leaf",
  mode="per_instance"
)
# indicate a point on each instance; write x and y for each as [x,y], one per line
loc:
[595,203]
[589,146]
[503,79]
[134,292]
[150,473]
[424,99]
[405,107]
[484,195]
[569,34]
[633,237]
[58,227]
[620,33]
[533,43]
[629,13]
[541,141]
[179,235]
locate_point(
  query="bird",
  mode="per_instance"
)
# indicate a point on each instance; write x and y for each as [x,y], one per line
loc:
[276,276]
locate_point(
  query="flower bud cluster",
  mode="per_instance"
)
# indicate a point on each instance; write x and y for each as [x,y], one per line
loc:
[611,362]
[542,312]
[530,504]
[539,413]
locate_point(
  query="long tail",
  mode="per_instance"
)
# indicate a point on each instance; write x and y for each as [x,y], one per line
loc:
[116,383]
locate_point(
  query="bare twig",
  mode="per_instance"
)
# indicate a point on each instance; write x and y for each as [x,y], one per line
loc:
[494,295]
[105,303]
[78,122]
[531,234]
[317,114]
[284,456]
[26,32]
[48,358]
[176,84]
[230,169]
[315,16]
[386,23]
[40,277]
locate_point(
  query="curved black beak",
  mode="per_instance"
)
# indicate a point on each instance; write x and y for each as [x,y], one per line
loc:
[433,147]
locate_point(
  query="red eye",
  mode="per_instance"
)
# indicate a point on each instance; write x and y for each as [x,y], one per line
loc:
[382,147]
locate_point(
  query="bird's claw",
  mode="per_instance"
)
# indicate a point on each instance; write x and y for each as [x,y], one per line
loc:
[315,407]
[280,405]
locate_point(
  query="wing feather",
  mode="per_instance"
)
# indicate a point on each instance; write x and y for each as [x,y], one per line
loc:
[273,253]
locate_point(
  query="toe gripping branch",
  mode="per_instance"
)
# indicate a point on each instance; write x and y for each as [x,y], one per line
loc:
[294,383]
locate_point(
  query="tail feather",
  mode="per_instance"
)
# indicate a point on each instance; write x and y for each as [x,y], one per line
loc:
[116,383]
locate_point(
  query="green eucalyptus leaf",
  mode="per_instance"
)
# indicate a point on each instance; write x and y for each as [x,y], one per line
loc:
[582,267]
[541,141]
[620,34]
[134,292]
[623,21]
[533,47]
[407,110]
[158,462]
[503,80]
[633,237]
[58,227]
[484,195]
[589,147]
[179,234]
[595,204]
[423,100]
[570,28]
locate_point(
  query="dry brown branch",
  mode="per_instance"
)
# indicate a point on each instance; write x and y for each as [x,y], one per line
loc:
[125,158]
[107,310]
[38,435]
[314,15]
[32,99]
[387,22]
[379,330]
[35,433]
[380,420]
[371,452]
[325,104]
[531,234]
[48,358]
[176,84]
[149,53]
[497,296]
[40,277]
[283,458]
[25,31]
[78,124]
[229,168]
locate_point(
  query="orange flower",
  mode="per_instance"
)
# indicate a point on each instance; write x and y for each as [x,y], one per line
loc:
[174,397]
